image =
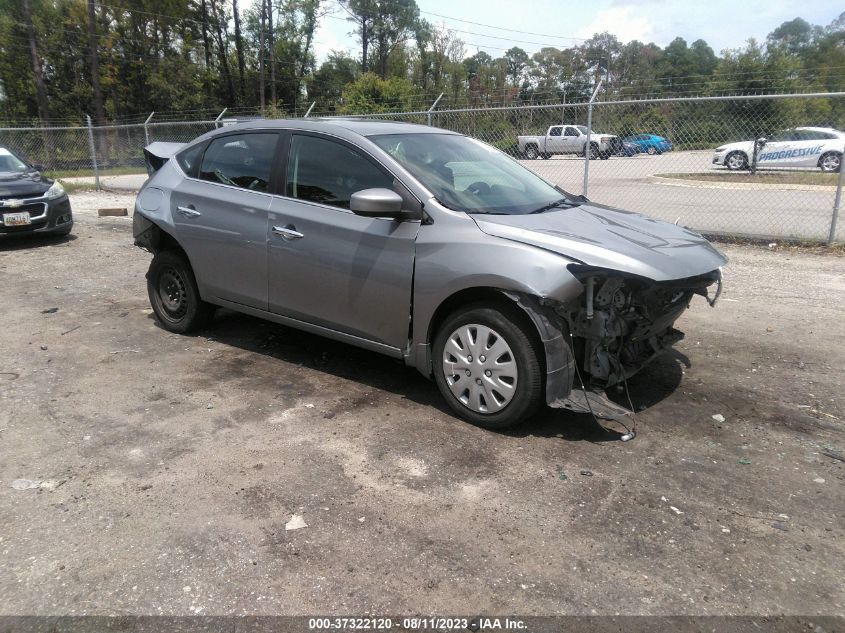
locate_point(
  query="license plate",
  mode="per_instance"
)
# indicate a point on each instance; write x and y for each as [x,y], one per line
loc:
[17,219]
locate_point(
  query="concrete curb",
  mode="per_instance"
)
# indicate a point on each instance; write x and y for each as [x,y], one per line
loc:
[710,184]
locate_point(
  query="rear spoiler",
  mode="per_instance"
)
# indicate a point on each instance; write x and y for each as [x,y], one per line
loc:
[158,153]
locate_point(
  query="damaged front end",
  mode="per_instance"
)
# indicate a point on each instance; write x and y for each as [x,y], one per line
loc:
[618,325]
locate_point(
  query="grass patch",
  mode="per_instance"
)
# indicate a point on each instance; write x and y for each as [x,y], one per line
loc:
[762,177]
[110,171]
[76,187]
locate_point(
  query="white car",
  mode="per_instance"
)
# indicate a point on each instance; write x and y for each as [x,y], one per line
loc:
[803,147]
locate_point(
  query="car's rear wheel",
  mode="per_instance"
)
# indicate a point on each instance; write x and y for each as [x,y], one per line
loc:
[173,294]
[487,365]
[736,161]
[594,151]
[831,162]
[531,152]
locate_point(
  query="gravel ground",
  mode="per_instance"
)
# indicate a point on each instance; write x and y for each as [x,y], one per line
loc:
[170,465]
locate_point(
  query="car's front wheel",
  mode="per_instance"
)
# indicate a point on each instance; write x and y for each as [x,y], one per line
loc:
[173,294]
[652,150]
[831,162]
[487,365]
[736,161]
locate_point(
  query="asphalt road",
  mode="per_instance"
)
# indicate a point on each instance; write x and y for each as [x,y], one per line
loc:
[768,211]
[169,466]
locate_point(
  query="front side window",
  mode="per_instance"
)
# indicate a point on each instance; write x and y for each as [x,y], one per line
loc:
[327,172]
[240,160]
[555,131]
[468,175]
[571,131]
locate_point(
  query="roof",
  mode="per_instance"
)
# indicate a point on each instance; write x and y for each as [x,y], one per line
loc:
[360,126]
[820,129]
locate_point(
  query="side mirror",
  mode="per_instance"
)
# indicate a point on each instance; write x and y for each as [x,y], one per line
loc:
[761,141]
[37,167]
[377,203]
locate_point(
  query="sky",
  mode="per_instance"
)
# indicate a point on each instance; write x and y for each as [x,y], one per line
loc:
[721,23]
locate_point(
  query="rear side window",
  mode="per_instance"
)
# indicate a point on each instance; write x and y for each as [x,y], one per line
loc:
[240,160]
[320,170]
[189,159]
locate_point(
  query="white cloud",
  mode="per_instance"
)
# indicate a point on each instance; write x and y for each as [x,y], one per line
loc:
[621,22]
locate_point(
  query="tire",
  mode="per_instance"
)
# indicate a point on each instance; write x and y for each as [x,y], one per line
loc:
[652,150]
[594,151]
[174,296]
[517,362]
[831,162]
[736,161]
[545,156]
[604,155]
[531,152]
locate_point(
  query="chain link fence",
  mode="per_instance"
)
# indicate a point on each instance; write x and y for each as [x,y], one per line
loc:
[771,179]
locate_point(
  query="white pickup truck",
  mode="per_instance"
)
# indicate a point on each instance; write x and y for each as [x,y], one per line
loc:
[569,139]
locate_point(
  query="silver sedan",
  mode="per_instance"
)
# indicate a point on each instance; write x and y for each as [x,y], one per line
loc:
[424,245]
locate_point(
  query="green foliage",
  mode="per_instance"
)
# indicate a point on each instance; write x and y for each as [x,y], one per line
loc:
[371,93]
[181,56]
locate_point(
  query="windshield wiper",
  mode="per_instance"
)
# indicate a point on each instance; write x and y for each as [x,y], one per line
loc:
[563,203]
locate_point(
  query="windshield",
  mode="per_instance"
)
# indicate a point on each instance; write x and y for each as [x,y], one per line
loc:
[468,175]
[10,162]
[584,129]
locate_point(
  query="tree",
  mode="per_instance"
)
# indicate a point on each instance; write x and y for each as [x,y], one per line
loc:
[35,60]
[371,93]
[381,25]
[517,61]
[239,47]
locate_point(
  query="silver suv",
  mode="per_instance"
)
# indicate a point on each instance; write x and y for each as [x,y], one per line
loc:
[424,245]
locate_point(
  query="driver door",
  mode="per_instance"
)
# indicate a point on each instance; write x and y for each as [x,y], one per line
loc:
[571,139]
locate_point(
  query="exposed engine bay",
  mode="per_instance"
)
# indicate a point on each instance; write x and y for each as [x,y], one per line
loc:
[620,323]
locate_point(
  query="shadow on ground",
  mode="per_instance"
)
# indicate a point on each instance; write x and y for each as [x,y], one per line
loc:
[656,382]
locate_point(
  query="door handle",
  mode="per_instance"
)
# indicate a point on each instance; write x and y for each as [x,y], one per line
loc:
[188,212]
[288,232]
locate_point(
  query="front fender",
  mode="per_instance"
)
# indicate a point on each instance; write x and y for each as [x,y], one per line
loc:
[454,255]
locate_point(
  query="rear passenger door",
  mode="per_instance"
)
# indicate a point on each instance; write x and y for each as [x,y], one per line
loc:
[328,266]
[220,214]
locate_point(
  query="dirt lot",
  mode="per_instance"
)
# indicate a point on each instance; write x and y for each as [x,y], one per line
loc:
[170,465]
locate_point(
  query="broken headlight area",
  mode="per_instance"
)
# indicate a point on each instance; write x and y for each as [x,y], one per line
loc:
[620,323]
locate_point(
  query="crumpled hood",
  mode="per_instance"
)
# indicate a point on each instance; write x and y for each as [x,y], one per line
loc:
[610,238]
[22,185]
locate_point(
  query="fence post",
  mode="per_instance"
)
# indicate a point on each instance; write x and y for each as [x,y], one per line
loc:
[431,109]
[587,149]
[219,116]
[93,151]
[146,131]
[308,111]
[837,200]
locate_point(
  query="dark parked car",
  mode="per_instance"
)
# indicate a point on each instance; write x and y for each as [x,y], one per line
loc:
[424,245]
[30,202]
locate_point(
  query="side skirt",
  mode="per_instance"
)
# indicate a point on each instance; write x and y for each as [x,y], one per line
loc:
[357,341]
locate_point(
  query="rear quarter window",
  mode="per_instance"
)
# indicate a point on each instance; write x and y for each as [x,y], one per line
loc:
[189,159]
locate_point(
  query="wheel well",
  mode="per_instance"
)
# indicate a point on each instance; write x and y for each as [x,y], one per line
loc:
[832,151]
[155,239]
[488,296]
